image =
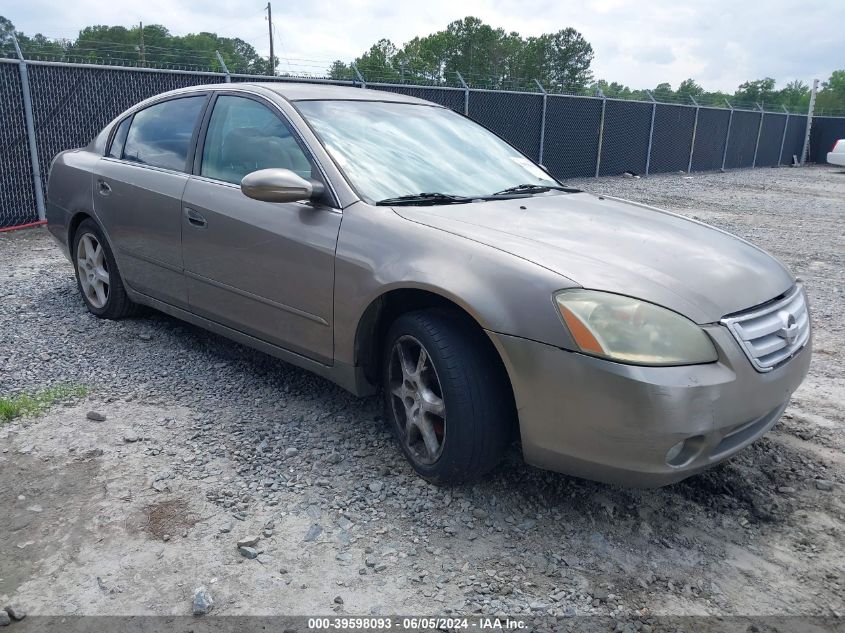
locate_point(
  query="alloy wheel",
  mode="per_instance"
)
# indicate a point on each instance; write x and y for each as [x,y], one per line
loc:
[416,400]
[92,268]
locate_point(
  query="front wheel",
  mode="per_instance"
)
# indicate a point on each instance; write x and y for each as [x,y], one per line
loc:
[447,396]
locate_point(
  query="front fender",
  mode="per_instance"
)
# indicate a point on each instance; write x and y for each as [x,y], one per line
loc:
[379,251]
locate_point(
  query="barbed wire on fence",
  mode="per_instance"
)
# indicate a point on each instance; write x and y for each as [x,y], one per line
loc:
[113,53]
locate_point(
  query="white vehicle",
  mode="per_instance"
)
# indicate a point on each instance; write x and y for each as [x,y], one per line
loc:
[836,155]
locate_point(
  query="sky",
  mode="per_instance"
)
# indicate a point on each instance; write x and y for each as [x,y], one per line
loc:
[640,43]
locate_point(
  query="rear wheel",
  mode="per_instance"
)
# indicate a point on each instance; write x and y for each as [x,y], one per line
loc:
[97,276]
[446,396]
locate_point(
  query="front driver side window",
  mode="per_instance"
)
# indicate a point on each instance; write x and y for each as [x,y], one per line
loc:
[244,136]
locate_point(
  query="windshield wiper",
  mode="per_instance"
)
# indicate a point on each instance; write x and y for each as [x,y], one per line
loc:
[531,188]
[424,199]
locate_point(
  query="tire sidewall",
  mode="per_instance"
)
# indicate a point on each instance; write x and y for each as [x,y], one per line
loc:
[89,227]
[458,433]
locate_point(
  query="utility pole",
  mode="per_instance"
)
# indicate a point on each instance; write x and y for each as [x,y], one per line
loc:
[143,55]
[270,26]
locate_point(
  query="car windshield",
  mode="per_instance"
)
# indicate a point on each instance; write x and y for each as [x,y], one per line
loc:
[390,150]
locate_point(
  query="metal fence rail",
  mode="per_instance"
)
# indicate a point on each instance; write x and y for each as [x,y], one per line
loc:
[572,135]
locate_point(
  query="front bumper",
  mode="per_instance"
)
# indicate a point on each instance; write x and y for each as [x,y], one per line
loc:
[616,423]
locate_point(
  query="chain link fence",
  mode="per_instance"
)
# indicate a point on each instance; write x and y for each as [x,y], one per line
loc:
[453,98]
[675,129]
[826,131]
[17,195]
[572,135]
[571,140]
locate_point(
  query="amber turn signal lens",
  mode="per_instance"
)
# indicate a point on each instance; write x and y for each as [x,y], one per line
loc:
[582,335]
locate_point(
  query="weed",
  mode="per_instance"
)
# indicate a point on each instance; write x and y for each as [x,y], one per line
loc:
[34,403]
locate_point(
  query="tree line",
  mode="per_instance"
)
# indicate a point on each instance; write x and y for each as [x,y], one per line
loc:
[795,95]
[482,55]
[148,45]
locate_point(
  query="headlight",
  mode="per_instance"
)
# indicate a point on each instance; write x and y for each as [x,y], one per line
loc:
[632,331]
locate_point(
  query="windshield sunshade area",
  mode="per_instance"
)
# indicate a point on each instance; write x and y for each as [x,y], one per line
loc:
[388,150]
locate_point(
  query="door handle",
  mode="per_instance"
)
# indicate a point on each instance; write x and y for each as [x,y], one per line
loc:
[195,218]
[103,188]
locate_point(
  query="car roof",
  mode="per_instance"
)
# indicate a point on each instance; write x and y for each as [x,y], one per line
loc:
[305,91]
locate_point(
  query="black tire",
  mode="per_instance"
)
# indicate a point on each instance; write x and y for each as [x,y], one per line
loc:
[117,304]
[479,416]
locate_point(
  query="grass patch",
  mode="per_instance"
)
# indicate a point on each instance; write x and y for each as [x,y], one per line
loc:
[34,403]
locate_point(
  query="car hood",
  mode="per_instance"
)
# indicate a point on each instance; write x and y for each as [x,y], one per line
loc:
[617,246]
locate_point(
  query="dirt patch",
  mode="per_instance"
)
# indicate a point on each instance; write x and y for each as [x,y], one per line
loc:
[167,518]
[37,521]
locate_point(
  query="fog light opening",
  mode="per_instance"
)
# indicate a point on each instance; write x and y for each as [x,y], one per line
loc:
[685,451]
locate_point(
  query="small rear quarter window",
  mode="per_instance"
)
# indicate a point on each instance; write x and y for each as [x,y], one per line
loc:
[116,149]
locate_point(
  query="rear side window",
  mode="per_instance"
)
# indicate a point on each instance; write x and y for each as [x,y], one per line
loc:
[161,134]
[116,149]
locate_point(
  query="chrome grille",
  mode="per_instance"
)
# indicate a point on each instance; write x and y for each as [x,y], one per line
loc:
[771,334]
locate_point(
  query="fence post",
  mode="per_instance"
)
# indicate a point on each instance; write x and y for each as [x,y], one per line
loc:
[759,131]
[30,132]
[466,93]
[694,132]
[601,130]
[727,134]
[650,131]
[223,66]
[542,121]
[783,138]
[360,76]
[810,110]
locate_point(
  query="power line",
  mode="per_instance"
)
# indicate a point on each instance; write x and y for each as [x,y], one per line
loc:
[282,45]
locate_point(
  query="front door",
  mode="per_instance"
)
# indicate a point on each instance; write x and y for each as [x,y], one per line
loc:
[265,269]
[138,193]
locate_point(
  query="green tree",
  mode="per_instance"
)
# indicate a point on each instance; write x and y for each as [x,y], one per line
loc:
[612,89]
[121,45]
[836,83]
[7,30]
[795,95]
[561,60]
[339,70]
[377,64]
[663,92]
[38,46]
[831,97]
[757,91]
[483,55]
[688,88]
[715,99]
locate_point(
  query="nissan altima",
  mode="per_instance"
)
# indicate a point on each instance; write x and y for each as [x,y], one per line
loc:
[390,244]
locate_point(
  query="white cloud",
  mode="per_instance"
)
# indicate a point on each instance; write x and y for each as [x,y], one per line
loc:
[720,43]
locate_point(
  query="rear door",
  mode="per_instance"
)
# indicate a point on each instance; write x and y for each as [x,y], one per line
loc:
[138,194]
[266,269]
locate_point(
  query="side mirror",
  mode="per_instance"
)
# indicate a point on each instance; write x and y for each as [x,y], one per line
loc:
[278,185]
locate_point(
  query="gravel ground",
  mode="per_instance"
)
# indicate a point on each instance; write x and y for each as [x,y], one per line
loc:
[206,443]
